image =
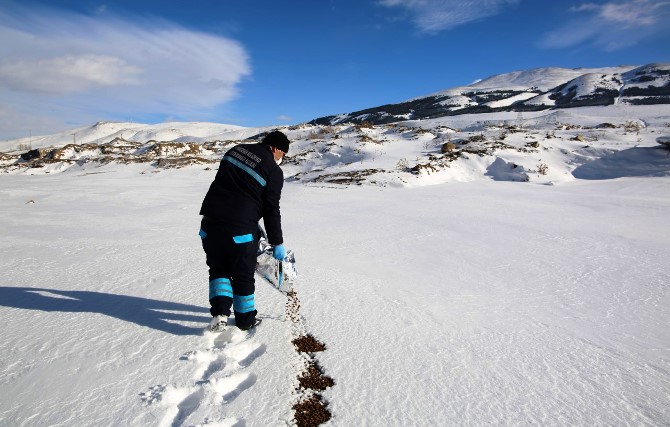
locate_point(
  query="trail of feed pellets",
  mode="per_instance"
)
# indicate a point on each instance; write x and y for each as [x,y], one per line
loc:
[311,410]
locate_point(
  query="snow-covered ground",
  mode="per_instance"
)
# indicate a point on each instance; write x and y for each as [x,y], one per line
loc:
[474,301]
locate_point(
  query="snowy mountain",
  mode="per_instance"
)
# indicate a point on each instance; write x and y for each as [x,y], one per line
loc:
[532,90]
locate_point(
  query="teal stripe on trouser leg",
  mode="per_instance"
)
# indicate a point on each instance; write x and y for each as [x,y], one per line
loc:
[243,304]
[220,288]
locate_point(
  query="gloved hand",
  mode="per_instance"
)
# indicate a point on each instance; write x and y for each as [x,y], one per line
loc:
[279,252]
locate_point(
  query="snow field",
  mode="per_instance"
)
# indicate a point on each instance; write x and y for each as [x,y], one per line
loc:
[100,331]
[496,304]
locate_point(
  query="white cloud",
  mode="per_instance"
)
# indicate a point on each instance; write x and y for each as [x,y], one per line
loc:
[67,74]
[636,13]
[432,16]
[54,62]
[284,118]
[612,25]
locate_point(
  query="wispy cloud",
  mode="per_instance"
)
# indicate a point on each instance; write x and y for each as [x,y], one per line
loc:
[70,66]
[432,16]
[611,25]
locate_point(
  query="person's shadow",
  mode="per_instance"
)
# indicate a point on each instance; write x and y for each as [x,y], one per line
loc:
[159,315]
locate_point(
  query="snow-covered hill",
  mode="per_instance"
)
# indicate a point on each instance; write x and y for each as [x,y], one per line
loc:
[103,132]
[543,147]
[530,90]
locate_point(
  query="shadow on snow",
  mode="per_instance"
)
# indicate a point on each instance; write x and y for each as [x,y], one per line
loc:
[159,315]
[633,162]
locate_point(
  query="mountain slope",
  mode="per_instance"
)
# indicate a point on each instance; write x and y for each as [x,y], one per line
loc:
[531,90]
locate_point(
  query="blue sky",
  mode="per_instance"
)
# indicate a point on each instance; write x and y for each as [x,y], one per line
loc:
[65,64]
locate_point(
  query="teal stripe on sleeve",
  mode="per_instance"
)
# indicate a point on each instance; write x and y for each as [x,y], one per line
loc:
[243,239]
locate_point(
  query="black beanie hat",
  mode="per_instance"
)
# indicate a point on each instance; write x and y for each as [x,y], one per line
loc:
[278,140]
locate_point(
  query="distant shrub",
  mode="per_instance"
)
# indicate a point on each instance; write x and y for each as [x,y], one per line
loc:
[542,168]
[448,147]
[322,132]
[477,138]
[533,144]
[366,138]
[363,125]
[632,126]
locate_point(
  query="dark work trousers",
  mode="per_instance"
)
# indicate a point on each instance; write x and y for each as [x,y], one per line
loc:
[231,258]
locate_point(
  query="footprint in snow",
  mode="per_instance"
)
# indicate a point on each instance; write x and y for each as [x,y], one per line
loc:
[221,374]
